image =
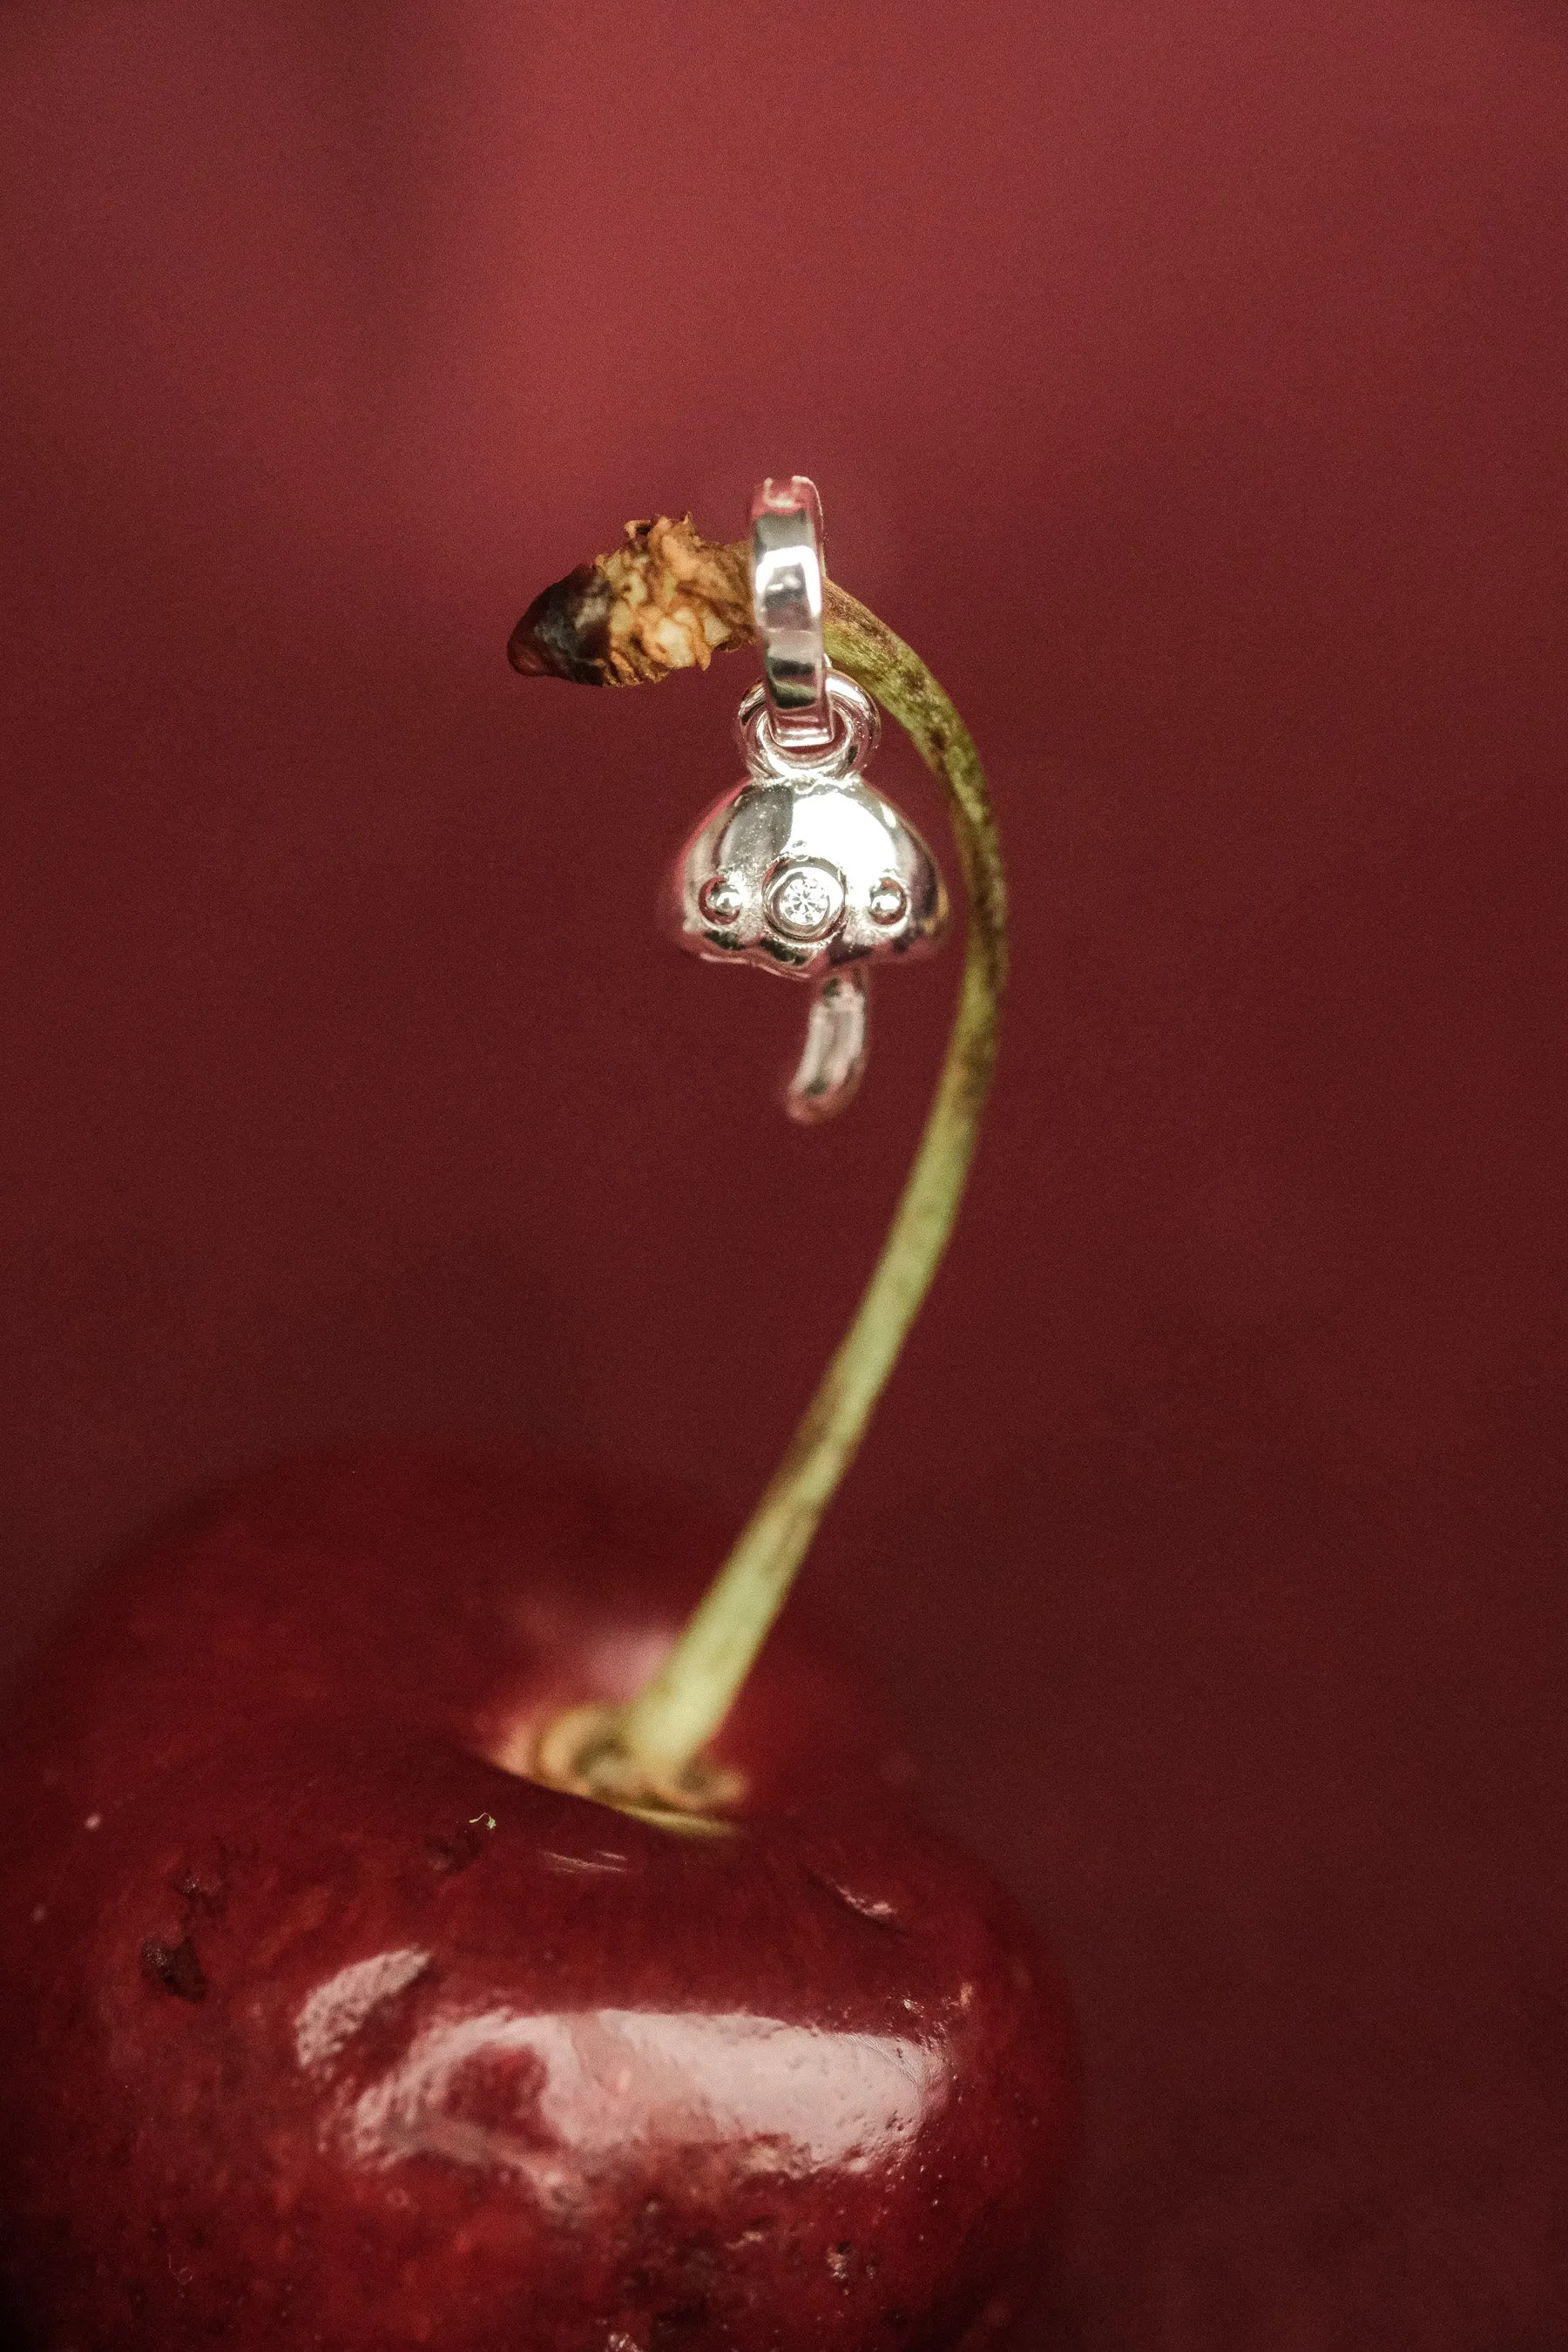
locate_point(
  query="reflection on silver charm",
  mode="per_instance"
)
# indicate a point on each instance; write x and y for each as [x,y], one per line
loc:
[815,877]
[834,1055]
[803,869]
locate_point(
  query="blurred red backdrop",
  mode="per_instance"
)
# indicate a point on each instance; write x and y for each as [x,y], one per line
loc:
[1189,382]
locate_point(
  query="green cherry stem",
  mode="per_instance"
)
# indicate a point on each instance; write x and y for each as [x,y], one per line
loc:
[650,1748]
[665,1727]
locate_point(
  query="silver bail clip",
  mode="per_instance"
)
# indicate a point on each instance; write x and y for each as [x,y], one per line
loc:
[786,600]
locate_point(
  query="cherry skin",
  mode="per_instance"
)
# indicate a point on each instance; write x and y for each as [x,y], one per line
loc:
[323,2027]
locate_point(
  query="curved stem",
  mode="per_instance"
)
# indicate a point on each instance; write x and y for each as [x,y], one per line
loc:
[665,1726]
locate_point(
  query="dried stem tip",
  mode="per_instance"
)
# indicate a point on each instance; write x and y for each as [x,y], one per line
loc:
[667,600]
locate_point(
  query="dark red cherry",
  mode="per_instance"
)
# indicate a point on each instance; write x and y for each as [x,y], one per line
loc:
[324,2027]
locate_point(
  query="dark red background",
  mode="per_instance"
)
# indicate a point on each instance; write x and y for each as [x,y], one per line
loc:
[1188,381]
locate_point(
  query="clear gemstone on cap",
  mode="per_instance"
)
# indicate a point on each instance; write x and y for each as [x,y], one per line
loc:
[805,899]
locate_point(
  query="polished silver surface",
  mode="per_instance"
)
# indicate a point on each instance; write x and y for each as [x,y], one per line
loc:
[803,880]
[832,1059]
[854,724]
[786,599]
[803,868]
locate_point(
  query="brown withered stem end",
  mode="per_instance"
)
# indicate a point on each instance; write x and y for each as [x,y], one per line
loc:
[665,600]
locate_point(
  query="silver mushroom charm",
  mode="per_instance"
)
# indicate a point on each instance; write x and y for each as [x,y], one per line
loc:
[812,875]
[802,869]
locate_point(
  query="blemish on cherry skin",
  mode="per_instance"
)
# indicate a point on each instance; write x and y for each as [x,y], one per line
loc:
[204,1890]
[451,1851]
[173,1968]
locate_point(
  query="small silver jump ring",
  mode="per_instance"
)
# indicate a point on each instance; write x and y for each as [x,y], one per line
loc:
[786,602]
[855,724]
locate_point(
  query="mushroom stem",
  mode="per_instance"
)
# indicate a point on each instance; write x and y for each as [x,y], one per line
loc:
[832,1059]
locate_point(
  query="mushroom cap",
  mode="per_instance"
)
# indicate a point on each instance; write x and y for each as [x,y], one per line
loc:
[800,877]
